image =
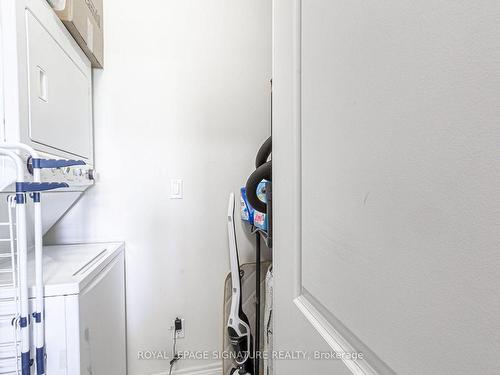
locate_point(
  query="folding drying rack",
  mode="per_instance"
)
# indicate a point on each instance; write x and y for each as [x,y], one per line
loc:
[15,349]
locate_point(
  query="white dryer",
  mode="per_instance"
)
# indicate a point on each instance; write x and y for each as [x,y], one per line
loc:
[45,103]
[45,82]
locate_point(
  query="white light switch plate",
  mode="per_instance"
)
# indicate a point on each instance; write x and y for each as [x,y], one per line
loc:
[176,189]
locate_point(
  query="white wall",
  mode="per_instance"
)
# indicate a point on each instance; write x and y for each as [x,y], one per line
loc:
[184,94]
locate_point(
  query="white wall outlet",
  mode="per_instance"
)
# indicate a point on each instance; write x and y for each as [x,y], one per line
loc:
[176,189]
[180,334]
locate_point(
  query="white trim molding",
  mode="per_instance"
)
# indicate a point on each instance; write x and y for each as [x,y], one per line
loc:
[333,338]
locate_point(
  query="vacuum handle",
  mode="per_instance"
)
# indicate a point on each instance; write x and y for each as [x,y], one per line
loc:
[264,152]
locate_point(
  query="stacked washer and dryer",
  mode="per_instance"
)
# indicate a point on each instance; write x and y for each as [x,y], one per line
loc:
[46,105]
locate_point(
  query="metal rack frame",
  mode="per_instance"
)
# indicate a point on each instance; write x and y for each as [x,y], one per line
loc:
[9,296]
[20,350]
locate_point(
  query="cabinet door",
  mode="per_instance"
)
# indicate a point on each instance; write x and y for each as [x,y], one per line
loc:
[60,95]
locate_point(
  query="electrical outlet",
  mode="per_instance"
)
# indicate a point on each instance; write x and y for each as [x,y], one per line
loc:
[178,333]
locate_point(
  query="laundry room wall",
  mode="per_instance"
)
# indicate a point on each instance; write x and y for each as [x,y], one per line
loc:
[184,95]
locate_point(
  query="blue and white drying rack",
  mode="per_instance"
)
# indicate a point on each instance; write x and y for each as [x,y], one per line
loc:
[15,353]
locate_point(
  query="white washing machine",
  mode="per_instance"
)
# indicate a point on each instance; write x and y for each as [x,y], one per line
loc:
[84,309]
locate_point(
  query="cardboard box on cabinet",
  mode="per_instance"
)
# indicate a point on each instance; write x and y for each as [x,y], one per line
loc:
[84,20]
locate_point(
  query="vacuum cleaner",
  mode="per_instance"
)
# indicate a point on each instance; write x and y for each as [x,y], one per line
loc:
[238,325]
[256,208]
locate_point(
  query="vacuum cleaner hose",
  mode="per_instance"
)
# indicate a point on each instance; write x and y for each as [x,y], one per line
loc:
[264,152]
[263,172]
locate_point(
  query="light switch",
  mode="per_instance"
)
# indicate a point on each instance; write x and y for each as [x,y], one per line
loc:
[176,189]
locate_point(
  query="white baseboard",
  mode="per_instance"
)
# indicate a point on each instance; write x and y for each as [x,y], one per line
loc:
[211,369]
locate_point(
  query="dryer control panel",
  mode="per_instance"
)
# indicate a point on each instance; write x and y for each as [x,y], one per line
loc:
[72,172]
